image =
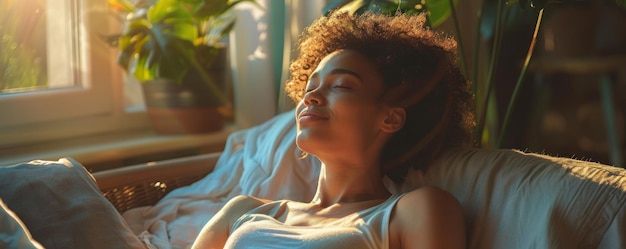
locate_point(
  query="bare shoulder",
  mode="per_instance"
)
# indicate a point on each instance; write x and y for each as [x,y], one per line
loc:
[428,203]
[428,217]
[428,197]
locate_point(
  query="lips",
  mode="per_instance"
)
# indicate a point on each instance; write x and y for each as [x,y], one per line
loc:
[311,115]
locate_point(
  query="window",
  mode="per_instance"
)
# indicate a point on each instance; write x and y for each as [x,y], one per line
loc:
[68,83]
[58,76]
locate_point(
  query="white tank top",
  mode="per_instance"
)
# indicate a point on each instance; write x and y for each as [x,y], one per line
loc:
[368,228]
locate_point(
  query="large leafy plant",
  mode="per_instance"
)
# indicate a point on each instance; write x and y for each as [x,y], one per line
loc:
[502,11]
[165,39]
[439,11]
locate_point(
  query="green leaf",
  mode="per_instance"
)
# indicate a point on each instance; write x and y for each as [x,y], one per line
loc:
[438,11]
[381,6]
[209,8]
[158,40]
[161,45]
[227,29]
[139,70]
[126,54]
[161,9]
[175,59]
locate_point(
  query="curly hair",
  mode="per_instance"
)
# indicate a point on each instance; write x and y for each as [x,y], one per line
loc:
[419,70]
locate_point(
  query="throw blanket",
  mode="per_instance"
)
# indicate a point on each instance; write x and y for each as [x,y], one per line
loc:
[250,164]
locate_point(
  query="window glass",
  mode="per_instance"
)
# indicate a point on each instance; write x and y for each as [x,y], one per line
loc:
[36,41]
[58,76]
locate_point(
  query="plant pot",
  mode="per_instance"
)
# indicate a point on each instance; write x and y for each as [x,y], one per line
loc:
[190,106]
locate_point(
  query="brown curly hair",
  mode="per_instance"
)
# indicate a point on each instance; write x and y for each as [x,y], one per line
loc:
[420,74]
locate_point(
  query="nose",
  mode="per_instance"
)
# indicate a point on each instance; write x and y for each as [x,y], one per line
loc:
[313,97]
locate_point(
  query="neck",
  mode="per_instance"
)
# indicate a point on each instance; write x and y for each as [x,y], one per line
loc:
[349,184]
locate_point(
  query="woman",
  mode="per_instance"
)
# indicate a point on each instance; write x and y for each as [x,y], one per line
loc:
[376,95]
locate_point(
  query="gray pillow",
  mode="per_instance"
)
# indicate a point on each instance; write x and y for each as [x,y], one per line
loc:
[61,206]
[13,234]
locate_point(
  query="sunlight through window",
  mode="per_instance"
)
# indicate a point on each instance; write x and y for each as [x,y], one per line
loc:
[36,40]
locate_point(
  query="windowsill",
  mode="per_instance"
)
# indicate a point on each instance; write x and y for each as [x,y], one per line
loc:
[108,151]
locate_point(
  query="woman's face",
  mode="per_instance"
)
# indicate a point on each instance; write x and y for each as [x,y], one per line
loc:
[341,110]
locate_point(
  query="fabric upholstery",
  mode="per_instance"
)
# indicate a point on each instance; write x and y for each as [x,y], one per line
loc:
[513,199]
[13,232]
[60,204]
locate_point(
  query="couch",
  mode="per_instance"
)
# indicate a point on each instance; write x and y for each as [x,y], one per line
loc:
[510,198]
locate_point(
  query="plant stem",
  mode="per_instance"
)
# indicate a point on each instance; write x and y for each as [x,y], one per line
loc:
[490,75]
[519,80]
[475,57]
[459,39]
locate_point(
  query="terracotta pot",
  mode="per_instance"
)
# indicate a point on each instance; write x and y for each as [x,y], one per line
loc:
[189,106]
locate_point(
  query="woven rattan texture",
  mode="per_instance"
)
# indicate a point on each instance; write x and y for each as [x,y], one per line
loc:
[145,193]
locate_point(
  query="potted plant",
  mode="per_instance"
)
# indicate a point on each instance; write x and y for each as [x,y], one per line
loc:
[439,10]
[174,47]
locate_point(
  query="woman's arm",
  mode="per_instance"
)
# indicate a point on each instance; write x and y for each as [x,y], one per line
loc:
[429,217]
[215,233]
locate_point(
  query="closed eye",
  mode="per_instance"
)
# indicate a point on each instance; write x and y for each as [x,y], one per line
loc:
[343,87]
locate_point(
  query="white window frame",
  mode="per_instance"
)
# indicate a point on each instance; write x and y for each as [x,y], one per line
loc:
[100,107]
[96,107]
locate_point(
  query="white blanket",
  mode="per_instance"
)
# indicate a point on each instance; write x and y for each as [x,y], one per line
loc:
[249,164]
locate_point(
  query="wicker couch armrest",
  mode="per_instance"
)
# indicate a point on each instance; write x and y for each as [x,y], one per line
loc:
[145,184]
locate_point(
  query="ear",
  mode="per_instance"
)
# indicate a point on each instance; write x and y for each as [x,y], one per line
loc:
[394,120]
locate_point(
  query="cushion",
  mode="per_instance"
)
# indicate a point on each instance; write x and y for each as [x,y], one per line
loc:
[60,204]
[513,199]
[13,233]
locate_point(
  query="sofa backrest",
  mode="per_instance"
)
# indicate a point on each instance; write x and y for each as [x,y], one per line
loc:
[513,199]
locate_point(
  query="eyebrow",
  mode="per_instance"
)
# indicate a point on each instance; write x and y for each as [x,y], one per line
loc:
[339,71]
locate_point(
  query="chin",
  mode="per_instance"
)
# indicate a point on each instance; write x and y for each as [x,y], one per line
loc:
[302,145]
[305,143]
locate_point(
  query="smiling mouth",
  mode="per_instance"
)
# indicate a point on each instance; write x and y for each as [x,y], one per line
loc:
[306,116]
